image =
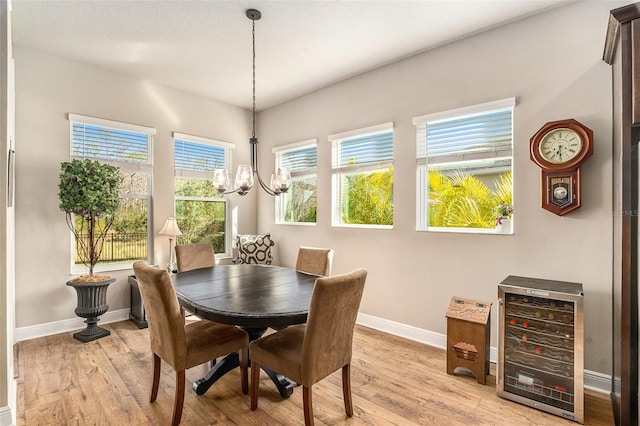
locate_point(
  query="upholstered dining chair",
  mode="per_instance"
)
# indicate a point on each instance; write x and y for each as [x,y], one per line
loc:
[307,353]
[195,256]
[179,345]
[316,261]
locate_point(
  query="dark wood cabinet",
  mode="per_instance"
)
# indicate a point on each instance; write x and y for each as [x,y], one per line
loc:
[622,51]
[137,313]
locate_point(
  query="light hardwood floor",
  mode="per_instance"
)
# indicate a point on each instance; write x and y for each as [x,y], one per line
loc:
[394,381]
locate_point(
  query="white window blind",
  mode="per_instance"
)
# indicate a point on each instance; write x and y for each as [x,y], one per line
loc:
[299,158]
[363,149]
[120,144]
[199,157]
[468,135]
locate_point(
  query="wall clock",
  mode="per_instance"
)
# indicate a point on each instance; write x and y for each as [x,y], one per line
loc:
[560,148]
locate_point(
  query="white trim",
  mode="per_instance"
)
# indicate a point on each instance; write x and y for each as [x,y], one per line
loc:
[365,131]
[464,111]
[295,146]
[200,139]
[110,123]
[64,326]
[6,419]
[593,380]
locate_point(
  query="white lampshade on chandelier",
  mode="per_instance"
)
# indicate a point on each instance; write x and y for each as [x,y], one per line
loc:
[244,180]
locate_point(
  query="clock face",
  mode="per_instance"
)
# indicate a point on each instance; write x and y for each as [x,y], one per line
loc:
[560,145]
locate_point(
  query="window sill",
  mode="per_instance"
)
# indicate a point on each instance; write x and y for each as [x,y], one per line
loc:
[383,227]
[484,231]
[298,223]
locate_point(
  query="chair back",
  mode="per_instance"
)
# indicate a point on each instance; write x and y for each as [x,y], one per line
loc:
[166,326]
[254,249]
[328,338]
[316,261]
[195,256]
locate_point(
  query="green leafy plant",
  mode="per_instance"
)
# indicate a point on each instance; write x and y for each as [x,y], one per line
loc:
[462,200]
[89,193]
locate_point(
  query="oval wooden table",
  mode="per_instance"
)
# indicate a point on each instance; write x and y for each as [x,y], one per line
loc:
[252,297]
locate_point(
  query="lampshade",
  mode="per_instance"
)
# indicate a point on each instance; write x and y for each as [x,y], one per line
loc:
[170,227]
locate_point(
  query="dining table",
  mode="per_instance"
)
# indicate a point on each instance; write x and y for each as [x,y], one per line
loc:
[252,297]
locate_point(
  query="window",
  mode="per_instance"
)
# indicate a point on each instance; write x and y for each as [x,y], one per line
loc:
[464,166]
[362,177]
[201,212]
[130,148]
[298,204]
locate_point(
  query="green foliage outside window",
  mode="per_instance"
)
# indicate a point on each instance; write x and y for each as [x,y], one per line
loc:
[368,198]
[461,200]
[200,220]
[300,202]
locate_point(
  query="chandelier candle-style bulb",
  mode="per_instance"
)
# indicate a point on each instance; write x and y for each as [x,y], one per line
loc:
[275,184]
[221,180]
[280,181]
[244,179]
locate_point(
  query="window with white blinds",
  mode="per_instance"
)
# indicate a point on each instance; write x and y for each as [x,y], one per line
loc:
[362,177]
[128,147]
[464,165]
[201,212]
[120,144]
[299,204]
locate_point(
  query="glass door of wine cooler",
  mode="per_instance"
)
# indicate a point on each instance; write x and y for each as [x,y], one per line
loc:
[540,351]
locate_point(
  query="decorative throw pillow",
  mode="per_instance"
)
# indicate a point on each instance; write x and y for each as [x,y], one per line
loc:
[254,248]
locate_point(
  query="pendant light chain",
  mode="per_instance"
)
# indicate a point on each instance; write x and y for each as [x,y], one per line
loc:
[253,33]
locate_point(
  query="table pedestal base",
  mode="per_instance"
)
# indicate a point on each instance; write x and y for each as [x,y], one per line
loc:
[231,361]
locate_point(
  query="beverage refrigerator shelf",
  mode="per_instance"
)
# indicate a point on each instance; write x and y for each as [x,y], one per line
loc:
[537,302]
[559,342]
[545,327]
[549,392]
[554,367]
[532,348]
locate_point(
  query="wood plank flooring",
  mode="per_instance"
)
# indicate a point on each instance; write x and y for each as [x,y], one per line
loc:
[62,381]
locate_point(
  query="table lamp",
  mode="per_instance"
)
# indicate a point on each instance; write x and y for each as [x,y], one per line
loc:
[171,229]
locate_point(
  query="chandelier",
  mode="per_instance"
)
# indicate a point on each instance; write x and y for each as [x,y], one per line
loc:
[245,175]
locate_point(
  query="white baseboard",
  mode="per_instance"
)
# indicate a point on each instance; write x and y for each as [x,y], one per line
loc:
[63,326]
[593,380]
[5,416]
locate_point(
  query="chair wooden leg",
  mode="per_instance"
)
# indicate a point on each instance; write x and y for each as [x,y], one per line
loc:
[244,374]
[307,405]
[179,400]
[255,381]
[156,377]
[346,389]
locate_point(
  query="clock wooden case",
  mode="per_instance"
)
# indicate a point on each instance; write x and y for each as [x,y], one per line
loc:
[559,148]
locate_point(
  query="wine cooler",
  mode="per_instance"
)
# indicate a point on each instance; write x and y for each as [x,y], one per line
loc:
[541,345]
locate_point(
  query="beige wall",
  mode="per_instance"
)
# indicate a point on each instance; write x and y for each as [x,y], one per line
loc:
[552,64]
[48,88]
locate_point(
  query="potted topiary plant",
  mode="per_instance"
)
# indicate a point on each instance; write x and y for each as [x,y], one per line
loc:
[90,196]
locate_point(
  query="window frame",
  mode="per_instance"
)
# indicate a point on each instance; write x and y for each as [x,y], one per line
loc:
[422,159]
[281,201]
[228,147]
[126,166]
[338,172]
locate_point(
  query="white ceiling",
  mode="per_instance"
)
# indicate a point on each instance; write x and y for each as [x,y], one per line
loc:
[204,47]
